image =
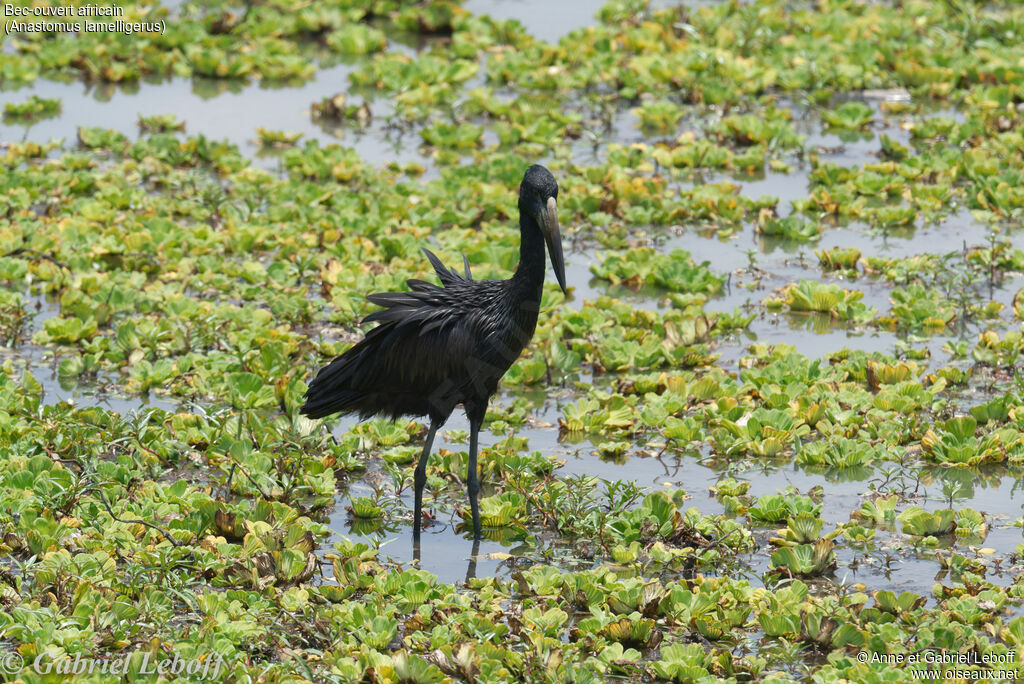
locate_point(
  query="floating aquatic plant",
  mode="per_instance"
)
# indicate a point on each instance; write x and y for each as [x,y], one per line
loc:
[763,432]
[365,507]
[805,560]
[918,522]
[659,117]
[33,108]
[849,115]
[774,508]
[837,258]
[953,443]
[160,123]
[995,410]
[810,295]
[877,512]
[643,266]
[794,228]
[683,663]
[502,510]
[802,528]
[280,139]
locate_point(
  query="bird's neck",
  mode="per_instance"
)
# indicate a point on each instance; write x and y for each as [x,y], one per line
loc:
[529,276]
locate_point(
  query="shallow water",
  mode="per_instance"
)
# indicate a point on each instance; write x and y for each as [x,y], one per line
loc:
[216,109]
[547,21]
[233,112]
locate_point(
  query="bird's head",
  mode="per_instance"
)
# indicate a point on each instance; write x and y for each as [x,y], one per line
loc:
[538,196]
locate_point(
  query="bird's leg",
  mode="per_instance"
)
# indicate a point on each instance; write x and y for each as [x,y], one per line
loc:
[420,479]
[471,568]
[472,484]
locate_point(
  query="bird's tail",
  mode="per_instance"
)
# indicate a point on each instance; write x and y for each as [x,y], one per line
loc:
[331,391]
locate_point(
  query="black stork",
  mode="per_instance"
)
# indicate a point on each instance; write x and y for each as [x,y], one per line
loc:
[437,347]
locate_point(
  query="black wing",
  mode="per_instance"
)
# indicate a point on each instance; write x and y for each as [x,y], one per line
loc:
[421,358]
[448,276]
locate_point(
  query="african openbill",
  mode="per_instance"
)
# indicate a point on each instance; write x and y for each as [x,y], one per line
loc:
[437,347]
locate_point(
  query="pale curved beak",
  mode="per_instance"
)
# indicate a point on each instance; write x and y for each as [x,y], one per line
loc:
[549,226]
